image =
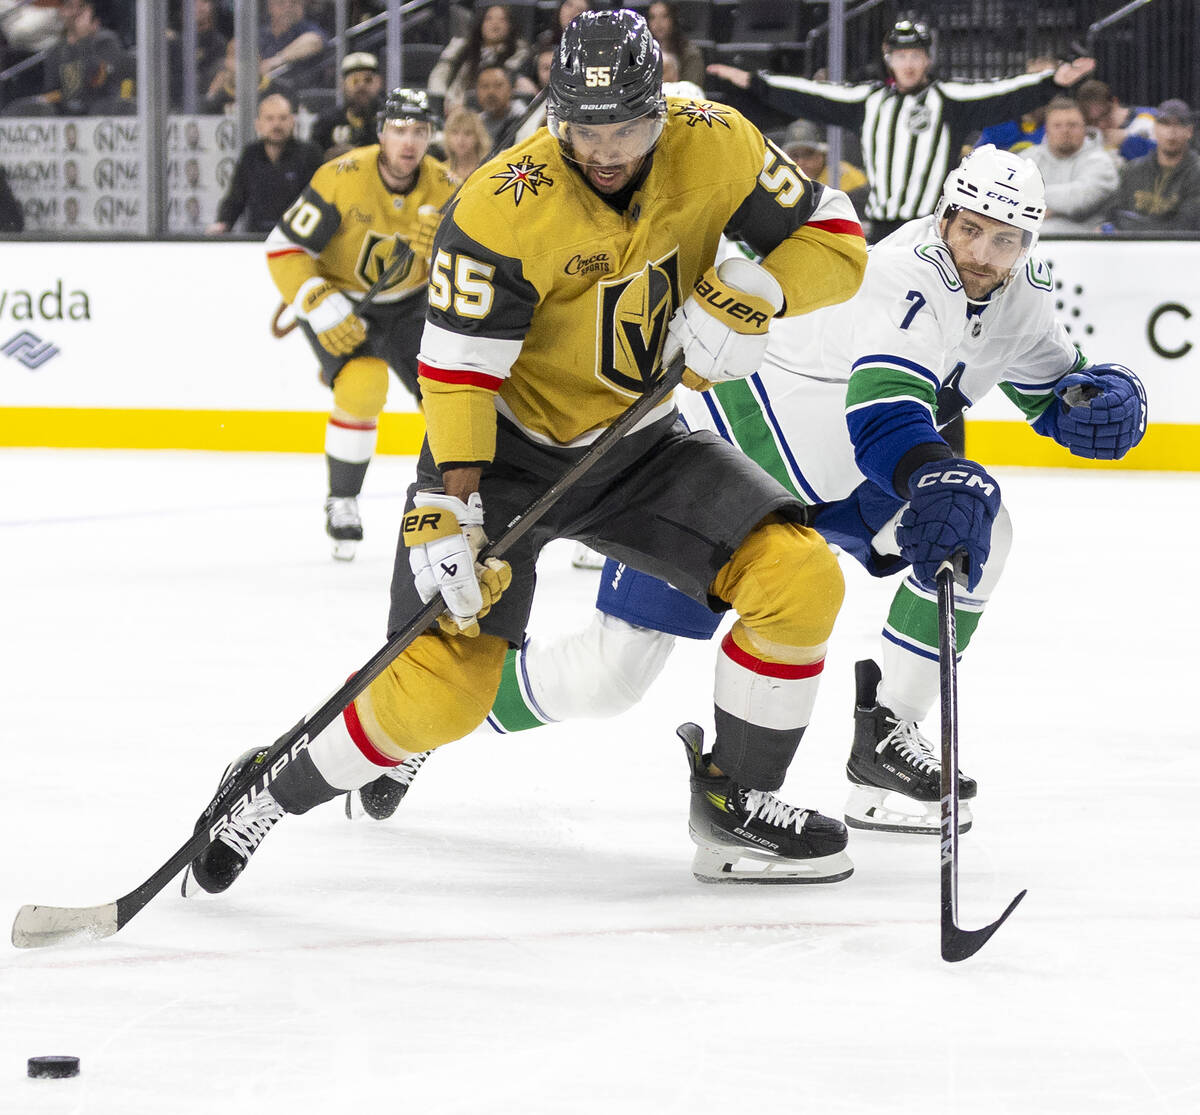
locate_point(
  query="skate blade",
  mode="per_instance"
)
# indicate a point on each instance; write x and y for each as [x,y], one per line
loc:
[713,863]
[189,888]
[344,549]
[873,810]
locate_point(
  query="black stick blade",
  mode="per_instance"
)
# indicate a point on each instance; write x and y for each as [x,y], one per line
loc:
[958,944]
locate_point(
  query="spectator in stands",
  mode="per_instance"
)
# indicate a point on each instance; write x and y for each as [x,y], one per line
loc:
[1080,175]
[352,125]
[672,86]
[805,142]
[12,216]
[210,51]
[494,95]
[1016,135]
[222,90]
[288,37]
[541,71]
[1127,132]
[663,19]
[466,141]
[492,41]
[913,126]
[269,173]
[87,70]
[567,11]
[1161,191]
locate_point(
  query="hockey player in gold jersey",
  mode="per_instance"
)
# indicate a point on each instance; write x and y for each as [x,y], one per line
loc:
[564,274]
[332,244]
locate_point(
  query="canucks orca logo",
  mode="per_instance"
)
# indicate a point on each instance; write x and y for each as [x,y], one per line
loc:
[373,258]
[634,311]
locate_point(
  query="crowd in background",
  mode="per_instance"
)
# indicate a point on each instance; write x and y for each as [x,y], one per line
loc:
[1107,165]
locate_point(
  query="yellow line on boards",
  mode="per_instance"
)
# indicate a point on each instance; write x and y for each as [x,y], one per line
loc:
[228,430]
[1166,447]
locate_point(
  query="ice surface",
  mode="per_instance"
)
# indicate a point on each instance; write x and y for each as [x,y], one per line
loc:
[525,935]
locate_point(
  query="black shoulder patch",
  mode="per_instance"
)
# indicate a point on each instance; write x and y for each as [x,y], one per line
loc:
[310,220]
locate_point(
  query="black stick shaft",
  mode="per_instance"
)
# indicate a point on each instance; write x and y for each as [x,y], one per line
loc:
[948,676]
[259,775]
[957,943]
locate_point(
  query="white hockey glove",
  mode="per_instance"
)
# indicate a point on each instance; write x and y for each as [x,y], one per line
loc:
[722,327]
[330,314]
[444,537]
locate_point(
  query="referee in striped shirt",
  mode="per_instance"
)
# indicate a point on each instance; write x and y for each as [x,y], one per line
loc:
[913,127]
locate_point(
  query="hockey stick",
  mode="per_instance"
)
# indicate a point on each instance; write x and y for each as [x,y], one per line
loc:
[402,256]
[957,943]
[40,926]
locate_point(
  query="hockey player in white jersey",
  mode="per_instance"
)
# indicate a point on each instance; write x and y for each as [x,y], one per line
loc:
[845,413]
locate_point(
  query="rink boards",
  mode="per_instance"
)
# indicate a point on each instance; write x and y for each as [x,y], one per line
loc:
[169,345]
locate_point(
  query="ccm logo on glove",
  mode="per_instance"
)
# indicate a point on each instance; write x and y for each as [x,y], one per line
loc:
[957,476]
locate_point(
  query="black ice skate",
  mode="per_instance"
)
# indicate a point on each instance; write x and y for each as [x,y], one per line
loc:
[344,525]
[381,798]
[895,770]
[215,869]
[750,836]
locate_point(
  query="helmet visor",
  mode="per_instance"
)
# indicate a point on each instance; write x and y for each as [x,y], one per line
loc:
[604,145]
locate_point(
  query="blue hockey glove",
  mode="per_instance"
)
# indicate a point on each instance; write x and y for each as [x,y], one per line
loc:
[1101,413]
[953,505]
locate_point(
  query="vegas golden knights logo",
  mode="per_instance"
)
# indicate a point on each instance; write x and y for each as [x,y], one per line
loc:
[376,253]
[634,311]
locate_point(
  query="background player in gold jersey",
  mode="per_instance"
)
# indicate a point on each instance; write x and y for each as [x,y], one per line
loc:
[335,240]
[565,273]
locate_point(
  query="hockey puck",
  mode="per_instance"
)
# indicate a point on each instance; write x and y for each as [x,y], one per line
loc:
[53,1067]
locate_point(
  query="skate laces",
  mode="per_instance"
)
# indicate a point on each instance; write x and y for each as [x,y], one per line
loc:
[342,511]
[407,770]
[246,830]
[765,805]
[907,739]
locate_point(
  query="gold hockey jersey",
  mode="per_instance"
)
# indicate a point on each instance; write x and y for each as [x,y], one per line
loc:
[344,224]
[550,304]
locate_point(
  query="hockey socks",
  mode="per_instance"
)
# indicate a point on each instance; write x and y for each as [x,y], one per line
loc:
[349,447]
[763,705]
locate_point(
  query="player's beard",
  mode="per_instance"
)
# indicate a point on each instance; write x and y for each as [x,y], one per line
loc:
[398,173]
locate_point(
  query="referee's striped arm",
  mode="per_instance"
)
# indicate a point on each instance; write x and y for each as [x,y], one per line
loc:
[823,101]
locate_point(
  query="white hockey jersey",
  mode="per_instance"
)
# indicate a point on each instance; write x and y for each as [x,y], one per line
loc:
[908,337]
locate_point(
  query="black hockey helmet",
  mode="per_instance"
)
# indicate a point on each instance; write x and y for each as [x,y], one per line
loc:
[408,105]
[607,70]
[908,34]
